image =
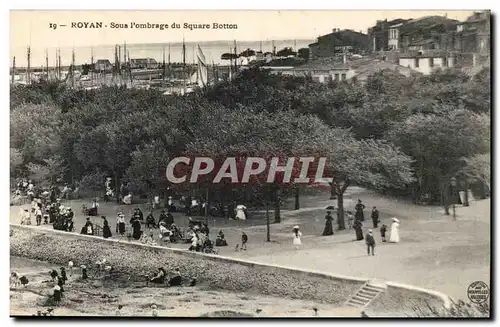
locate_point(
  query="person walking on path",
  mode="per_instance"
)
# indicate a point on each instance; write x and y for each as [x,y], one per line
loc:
[358,228]
[383,231]
[297,235]
[370,242]
[328,224]
[375,217]
[106,231]
[394,231]
[359,211]
[244,240]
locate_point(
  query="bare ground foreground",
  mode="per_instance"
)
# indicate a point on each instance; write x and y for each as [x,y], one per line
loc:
[435,252]
[101,296]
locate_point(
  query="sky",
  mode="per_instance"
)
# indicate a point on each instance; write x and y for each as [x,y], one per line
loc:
[32,27]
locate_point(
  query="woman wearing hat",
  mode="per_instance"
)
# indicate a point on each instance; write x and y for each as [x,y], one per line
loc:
[106,231]
[297,235]
[328,224]
[120,224]
[394,231]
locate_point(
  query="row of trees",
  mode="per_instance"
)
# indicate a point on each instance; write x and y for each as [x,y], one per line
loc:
[285,52]
[391,133]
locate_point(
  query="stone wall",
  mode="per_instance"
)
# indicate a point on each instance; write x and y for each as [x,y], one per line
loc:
[211,270]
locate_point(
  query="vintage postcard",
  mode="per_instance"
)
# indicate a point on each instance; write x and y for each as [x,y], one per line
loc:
[250,164]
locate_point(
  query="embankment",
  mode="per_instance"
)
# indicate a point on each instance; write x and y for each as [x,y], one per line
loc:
[215,271]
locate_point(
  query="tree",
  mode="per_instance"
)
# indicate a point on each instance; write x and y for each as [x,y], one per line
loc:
[303,53]
[372,163]
[16,161]
[439,142]
[286,52]
[228,56]
[34,130]
[247,53]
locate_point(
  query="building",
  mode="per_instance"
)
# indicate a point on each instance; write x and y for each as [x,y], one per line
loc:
[339,42]
[473,35]
[414,34]
[379,34]
[345,70]
[103,65]
[426,62]
[143,63]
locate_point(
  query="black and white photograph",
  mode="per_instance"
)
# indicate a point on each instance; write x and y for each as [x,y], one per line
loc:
[250,164]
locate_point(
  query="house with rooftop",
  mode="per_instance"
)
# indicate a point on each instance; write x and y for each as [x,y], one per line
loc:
[426,61]
[345,70]
[143,63]
[339,42]
[103,65]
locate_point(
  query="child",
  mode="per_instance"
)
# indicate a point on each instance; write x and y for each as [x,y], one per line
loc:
[370,242]
[119,312]
[244,240]
[129,232]
[383,230]
[350,219]
[155,310]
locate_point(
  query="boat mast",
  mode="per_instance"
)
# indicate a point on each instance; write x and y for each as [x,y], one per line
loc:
[184,64]
[235,59]
[163,66]
[169,73]
[91,71]
[13,69]
[59,63]
[73,68]
[28,72]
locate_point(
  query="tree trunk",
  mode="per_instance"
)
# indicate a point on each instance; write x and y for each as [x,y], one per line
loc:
[332,191]
[340,211]
[206,206]
[117,188]
[268,224]
[297,198]
[277,215]
[445,198]
[466,195]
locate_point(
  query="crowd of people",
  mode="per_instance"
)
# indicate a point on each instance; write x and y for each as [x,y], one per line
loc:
[46,207]
[356,222]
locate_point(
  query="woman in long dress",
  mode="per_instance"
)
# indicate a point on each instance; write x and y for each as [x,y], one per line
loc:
[106,231]
[358,228]
[359,211]
[394,231]
[297,236]
[240,212]
[136,225]
[328,224]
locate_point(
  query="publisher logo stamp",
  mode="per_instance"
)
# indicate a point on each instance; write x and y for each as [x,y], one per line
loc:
[478,292]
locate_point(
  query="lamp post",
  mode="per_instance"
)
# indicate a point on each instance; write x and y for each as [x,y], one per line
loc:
[453,185]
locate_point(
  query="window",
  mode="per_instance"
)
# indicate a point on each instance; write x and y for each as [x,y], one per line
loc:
[416,63]
[445,62]
[337,77]
[344,77]
[431,62]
